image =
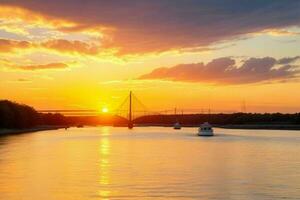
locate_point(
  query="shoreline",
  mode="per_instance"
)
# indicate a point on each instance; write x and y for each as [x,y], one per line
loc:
[261,126]
[237,126]
[5,132]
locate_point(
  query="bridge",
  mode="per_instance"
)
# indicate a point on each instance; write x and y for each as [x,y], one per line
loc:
[131,109]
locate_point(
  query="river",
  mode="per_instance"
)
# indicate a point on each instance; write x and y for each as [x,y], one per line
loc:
[150,163]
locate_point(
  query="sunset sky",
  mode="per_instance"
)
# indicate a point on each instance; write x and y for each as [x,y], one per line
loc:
[189,54]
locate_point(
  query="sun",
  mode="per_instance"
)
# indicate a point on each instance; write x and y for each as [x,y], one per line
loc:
[104,110]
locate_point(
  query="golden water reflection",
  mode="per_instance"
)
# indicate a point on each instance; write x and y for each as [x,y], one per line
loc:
[104,166]
[149,163]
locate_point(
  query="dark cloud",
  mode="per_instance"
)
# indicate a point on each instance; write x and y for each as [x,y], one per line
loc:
[227,71]
[142,26]
[288,60]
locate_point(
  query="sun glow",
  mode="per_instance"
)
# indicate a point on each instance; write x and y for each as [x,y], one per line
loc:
[104,110]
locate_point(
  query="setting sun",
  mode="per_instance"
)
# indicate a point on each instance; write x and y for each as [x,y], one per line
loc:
[104,110]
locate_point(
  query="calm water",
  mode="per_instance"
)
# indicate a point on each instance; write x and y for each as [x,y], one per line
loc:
[148,163]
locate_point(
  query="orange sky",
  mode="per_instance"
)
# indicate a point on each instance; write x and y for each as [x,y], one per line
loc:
[193,56]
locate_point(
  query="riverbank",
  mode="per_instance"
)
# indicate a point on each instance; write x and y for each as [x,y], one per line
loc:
[28,130]
[236,126]
[4,132]
[261,126]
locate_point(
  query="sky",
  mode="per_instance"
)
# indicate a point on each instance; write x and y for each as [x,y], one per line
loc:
[227,56]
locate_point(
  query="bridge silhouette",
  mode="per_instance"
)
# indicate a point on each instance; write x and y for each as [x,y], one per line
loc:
[131,109]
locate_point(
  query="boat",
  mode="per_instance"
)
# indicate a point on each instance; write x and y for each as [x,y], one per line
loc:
[205,129]
[79,126]
[177,125]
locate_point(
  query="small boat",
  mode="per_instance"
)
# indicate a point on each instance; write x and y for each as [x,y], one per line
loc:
[177,125]
[80,126]
[205,129]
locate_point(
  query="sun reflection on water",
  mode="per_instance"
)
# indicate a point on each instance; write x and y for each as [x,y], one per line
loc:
[104,164]
[105,131]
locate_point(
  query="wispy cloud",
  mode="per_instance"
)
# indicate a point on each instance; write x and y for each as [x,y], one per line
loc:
[40,67]
[16,14]
[226,71]
[11,45]
[279,32]
[77,47]
[23,80]
[59,45]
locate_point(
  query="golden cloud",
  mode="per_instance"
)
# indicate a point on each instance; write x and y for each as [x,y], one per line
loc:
[41,67]
[19,20]
[66,46]
[59,46]
[11,45]
[18,14]
[279,32]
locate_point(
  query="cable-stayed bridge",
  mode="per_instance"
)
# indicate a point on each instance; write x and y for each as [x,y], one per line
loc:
[131,109]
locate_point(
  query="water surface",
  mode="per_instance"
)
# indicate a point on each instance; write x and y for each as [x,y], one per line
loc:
[150,163]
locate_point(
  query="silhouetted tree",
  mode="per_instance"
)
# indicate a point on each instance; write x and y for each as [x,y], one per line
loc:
[18,116]
[14,115]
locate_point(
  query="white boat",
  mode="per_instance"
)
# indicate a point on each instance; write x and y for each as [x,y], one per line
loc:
[177,125]
[205,129]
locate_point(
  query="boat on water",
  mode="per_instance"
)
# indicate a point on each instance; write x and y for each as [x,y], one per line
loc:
[205,129]
[177,126]
[79,126]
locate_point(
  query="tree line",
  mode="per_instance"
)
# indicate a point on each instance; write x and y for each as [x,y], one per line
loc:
[19,116]
[222,119]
